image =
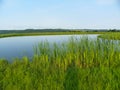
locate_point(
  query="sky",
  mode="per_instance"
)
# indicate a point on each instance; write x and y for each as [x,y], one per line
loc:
[71,14]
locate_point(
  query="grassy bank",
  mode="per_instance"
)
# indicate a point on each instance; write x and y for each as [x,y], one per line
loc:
[47,33]
[74,65]
[110,36]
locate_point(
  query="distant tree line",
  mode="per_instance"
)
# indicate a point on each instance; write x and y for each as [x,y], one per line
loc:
[57,30]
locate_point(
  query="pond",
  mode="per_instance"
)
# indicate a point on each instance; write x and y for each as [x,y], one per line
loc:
[18,47]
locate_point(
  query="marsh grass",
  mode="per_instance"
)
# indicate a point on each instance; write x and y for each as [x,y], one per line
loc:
[110,36]
[79,64]
[15,34]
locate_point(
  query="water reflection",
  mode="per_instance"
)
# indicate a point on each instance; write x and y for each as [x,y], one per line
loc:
[13,47]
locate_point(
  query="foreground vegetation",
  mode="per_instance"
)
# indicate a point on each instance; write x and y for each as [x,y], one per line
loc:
[74,65]
[110,36]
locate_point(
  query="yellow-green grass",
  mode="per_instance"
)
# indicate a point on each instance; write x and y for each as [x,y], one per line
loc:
[48,33]
[110,36]
[75,65]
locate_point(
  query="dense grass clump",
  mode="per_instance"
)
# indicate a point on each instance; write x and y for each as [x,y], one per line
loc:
[75,65]
[110,36]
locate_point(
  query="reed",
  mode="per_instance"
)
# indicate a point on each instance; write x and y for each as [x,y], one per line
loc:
[110,36]
[79,64]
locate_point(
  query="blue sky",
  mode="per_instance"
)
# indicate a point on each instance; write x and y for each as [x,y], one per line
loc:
[81,14]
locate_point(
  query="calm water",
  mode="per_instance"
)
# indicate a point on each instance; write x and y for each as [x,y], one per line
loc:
[13,47]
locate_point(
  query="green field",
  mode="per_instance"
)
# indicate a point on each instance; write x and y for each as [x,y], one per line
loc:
[37,33]
[110,36]
[14,33]
[75,65]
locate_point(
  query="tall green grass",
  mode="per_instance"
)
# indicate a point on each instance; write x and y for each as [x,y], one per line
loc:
[110,36]
[75,65]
